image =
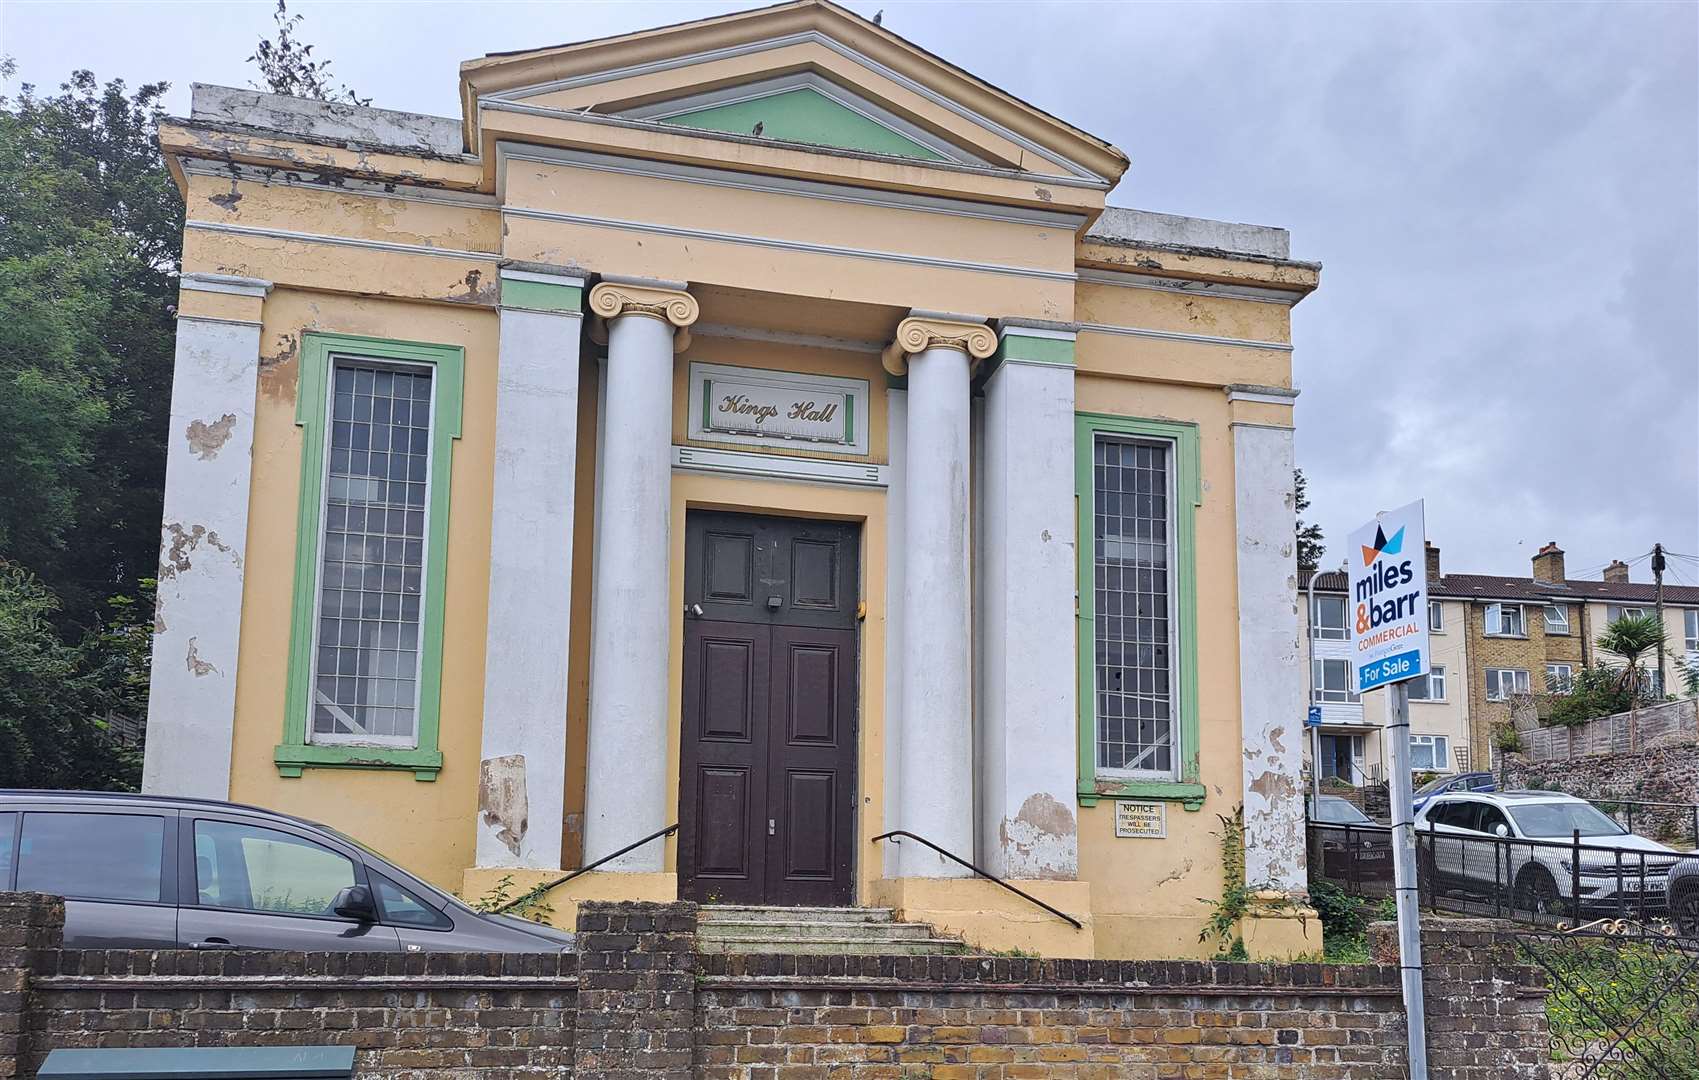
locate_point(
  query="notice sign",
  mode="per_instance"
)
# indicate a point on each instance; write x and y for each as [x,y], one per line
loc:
[1141,820]
[1389,598]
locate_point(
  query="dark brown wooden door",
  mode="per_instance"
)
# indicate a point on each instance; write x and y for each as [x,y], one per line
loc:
[767,795]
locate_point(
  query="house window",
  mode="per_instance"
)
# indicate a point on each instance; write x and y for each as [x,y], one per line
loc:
[1133,539]
[1557,618]
[1690,620]
[1430,688]
[371,573]
[1327,619]
[1560,678]
[1502,682]
[1613,612]
[1430,753]
[1332,680]
[1505,620]
[1436,617]
[379,422]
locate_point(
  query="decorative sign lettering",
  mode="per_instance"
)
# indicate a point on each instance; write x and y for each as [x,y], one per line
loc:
[1141,820]
[1389,598]
[753,406]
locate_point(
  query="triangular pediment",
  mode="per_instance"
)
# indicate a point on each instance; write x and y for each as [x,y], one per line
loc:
[806,109]
[802,74]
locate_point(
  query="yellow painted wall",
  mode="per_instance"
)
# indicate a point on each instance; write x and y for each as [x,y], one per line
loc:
[426,827]
[1145,892]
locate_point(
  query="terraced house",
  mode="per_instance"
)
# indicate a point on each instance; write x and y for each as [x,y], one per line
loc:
[1492,638]
[758,425]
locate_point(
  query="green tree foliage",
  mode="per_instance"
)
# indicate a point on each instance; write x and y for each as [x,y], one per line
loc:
[1310,546]
[59,703]
[90,239]
[1632,637]
[1595,691]
[288,66]
[90,235]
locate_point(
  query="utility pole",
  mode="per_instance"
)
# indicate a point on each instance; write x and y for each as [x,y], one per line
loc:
[1658,578]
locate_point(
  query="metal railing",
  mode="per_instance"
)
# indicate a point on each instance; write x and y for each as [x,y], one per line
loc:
[899,834]
[1540,882]
[547,886]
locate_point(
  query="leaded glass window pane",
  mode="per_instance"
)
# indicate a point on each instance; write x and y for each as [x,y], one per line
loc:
[1135,632]
[372,562]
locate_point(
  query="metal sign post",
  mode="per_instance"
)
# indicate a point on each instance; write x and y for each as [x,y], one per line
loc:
[1389,646]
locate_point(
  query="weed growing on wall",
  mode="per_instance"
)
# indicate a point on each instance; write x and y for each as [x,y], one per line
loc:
[531,905]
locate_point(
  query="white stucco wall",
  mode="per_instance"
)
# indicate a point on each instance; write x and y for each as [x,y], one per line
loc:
[1271,684]
[1028,827]
[198,617]
[522,778]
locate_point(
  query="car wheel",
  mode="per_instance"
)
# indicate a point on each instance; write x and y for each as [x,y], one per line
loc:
[1536,892]
[1684,910]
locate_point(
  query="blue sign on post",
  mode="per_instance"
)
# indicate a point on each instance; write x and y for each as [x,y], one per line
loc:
[1389,599]
[1313,718]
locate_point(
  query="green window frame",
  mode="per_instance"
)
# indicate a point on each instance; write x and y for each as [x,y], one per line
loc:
[319,351]
[1188,789]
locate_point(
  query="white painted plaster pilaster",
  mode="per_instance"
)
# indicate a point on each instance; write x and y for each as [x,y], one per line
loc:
[203,538]
[1271,686]
[626,775]
[1028,825]
[937,738]
[896,427]
[522,779]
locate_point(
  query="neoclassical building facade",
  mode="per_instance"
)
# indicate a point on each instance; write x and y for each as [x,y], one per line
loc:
[758,425]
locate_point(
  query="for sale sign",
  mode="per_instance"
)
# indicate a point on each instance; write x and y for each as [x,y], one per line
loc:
[1389,598]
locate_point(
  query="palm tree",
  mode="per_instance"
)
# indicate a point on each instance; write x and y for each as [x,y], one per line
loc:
[1631,637]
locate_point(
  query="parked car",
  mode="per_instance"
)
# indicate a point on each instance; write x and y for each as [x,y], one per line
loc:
[140,871]
[1470,841]
[1444,785]
[1684,895]
[1348,855]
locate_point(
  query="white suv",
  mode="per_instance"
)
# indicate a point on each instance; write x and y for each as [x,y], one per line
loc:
[1522,844]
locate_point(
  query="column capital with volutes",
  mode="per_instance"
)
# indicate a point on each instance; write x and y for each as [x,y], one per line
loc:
[924,330]
[668,301]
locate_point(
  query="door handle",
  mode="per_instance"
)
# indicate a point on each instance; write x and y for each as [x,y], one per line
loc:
[214,943]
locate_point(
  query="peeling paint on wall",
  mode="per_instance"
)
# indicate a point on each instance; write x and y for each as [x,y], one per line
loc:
[502,802]
[197,667]
[1041,840]
[206,440]
[177,543]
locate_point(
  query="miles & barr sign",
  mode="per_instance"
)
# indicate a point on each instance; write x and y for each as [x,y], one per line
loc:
[1389,598]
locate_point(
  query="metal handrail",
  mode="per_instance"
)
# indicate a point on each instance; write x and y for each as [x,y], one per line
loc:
[1075,923]
[539,890]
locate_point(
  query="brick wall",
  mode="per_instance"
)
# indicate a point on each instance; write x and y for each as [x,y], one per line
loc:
[639,1003]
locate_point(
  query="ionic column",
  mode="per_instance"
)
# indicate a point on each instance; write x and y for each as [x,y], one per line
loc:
[937,353]
[626,781]
[208,476]
[1029,727]
[522,778]
[1271,683]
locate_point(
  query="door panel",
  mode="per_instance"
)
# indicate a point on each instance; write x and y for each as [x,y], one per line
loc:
[767,790]
[722,819]
[812,765]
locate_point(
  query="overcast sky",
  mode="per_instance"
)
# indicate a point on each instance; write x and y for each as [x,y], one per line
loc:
[1505,198]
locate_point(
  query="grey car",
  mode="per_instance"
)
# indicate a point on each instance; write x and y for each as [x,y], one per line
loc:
[141,871]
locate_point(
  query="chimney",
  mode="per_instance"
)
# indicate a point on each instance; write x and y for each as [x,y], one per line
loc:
[1617,572]
[1548,564]
[1433,562]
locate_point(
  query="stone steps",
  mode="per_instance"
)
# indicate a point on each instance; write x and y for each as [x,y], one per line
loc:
[817,931]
